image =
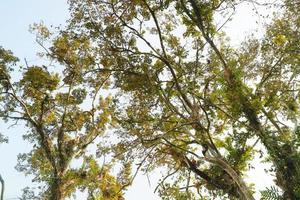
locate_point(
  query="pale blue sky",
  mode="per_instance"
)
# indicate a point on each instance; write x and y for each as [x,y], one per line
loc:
[17,15]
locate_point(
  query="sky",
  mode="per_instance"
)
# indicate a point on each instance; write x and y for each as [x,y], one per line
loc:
[15,18]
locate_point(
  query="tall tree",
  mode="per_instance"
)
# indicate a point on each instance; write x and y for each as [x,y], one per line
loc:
[196,105]
[63,116]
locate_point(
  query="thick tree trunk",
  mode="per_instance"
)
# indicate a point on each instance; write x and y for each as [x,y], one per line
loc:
[56,192]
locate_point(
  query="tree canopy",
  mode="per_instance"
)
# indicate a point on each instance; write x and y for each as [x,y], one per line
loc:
[157,84]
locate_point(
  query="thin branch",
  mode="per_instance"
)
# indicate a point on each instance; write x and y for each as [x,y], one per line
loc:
[2,188]
[272,121]
[188,184]
[165,178]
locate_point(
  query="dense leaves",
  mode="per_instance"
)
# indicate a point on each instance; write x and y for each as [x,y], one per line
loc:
[182,100]
[64,117]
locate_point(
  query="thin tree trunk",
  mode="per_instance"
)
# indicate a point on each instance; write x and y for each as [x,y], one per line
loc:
[2,188]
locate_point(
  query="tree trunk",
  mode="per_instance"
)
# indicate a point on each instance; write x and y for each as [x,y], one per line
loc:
[56,192]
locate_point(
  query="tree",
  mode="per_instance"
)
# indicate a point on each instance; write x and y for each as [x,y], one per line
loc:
[189,91]
[63,116]
[183,99]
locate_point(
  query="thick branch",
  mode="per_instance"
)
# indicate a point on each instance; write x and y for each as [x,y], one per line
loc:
[236,178]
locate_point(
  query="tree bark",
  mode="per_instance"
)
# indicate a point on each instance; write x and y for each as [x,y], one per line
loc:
[56,192]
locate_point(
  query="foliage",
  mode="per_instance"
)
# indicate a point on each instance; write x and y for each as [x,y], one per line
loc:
[183,100]
[271,193]
[63,117]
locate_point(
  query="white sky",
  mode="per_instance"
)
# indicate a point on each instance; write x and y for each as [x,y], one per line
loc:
[15,18]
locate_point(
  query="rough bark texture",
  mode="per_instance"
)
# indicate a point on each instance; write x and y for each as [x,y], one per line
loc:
[56,192]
